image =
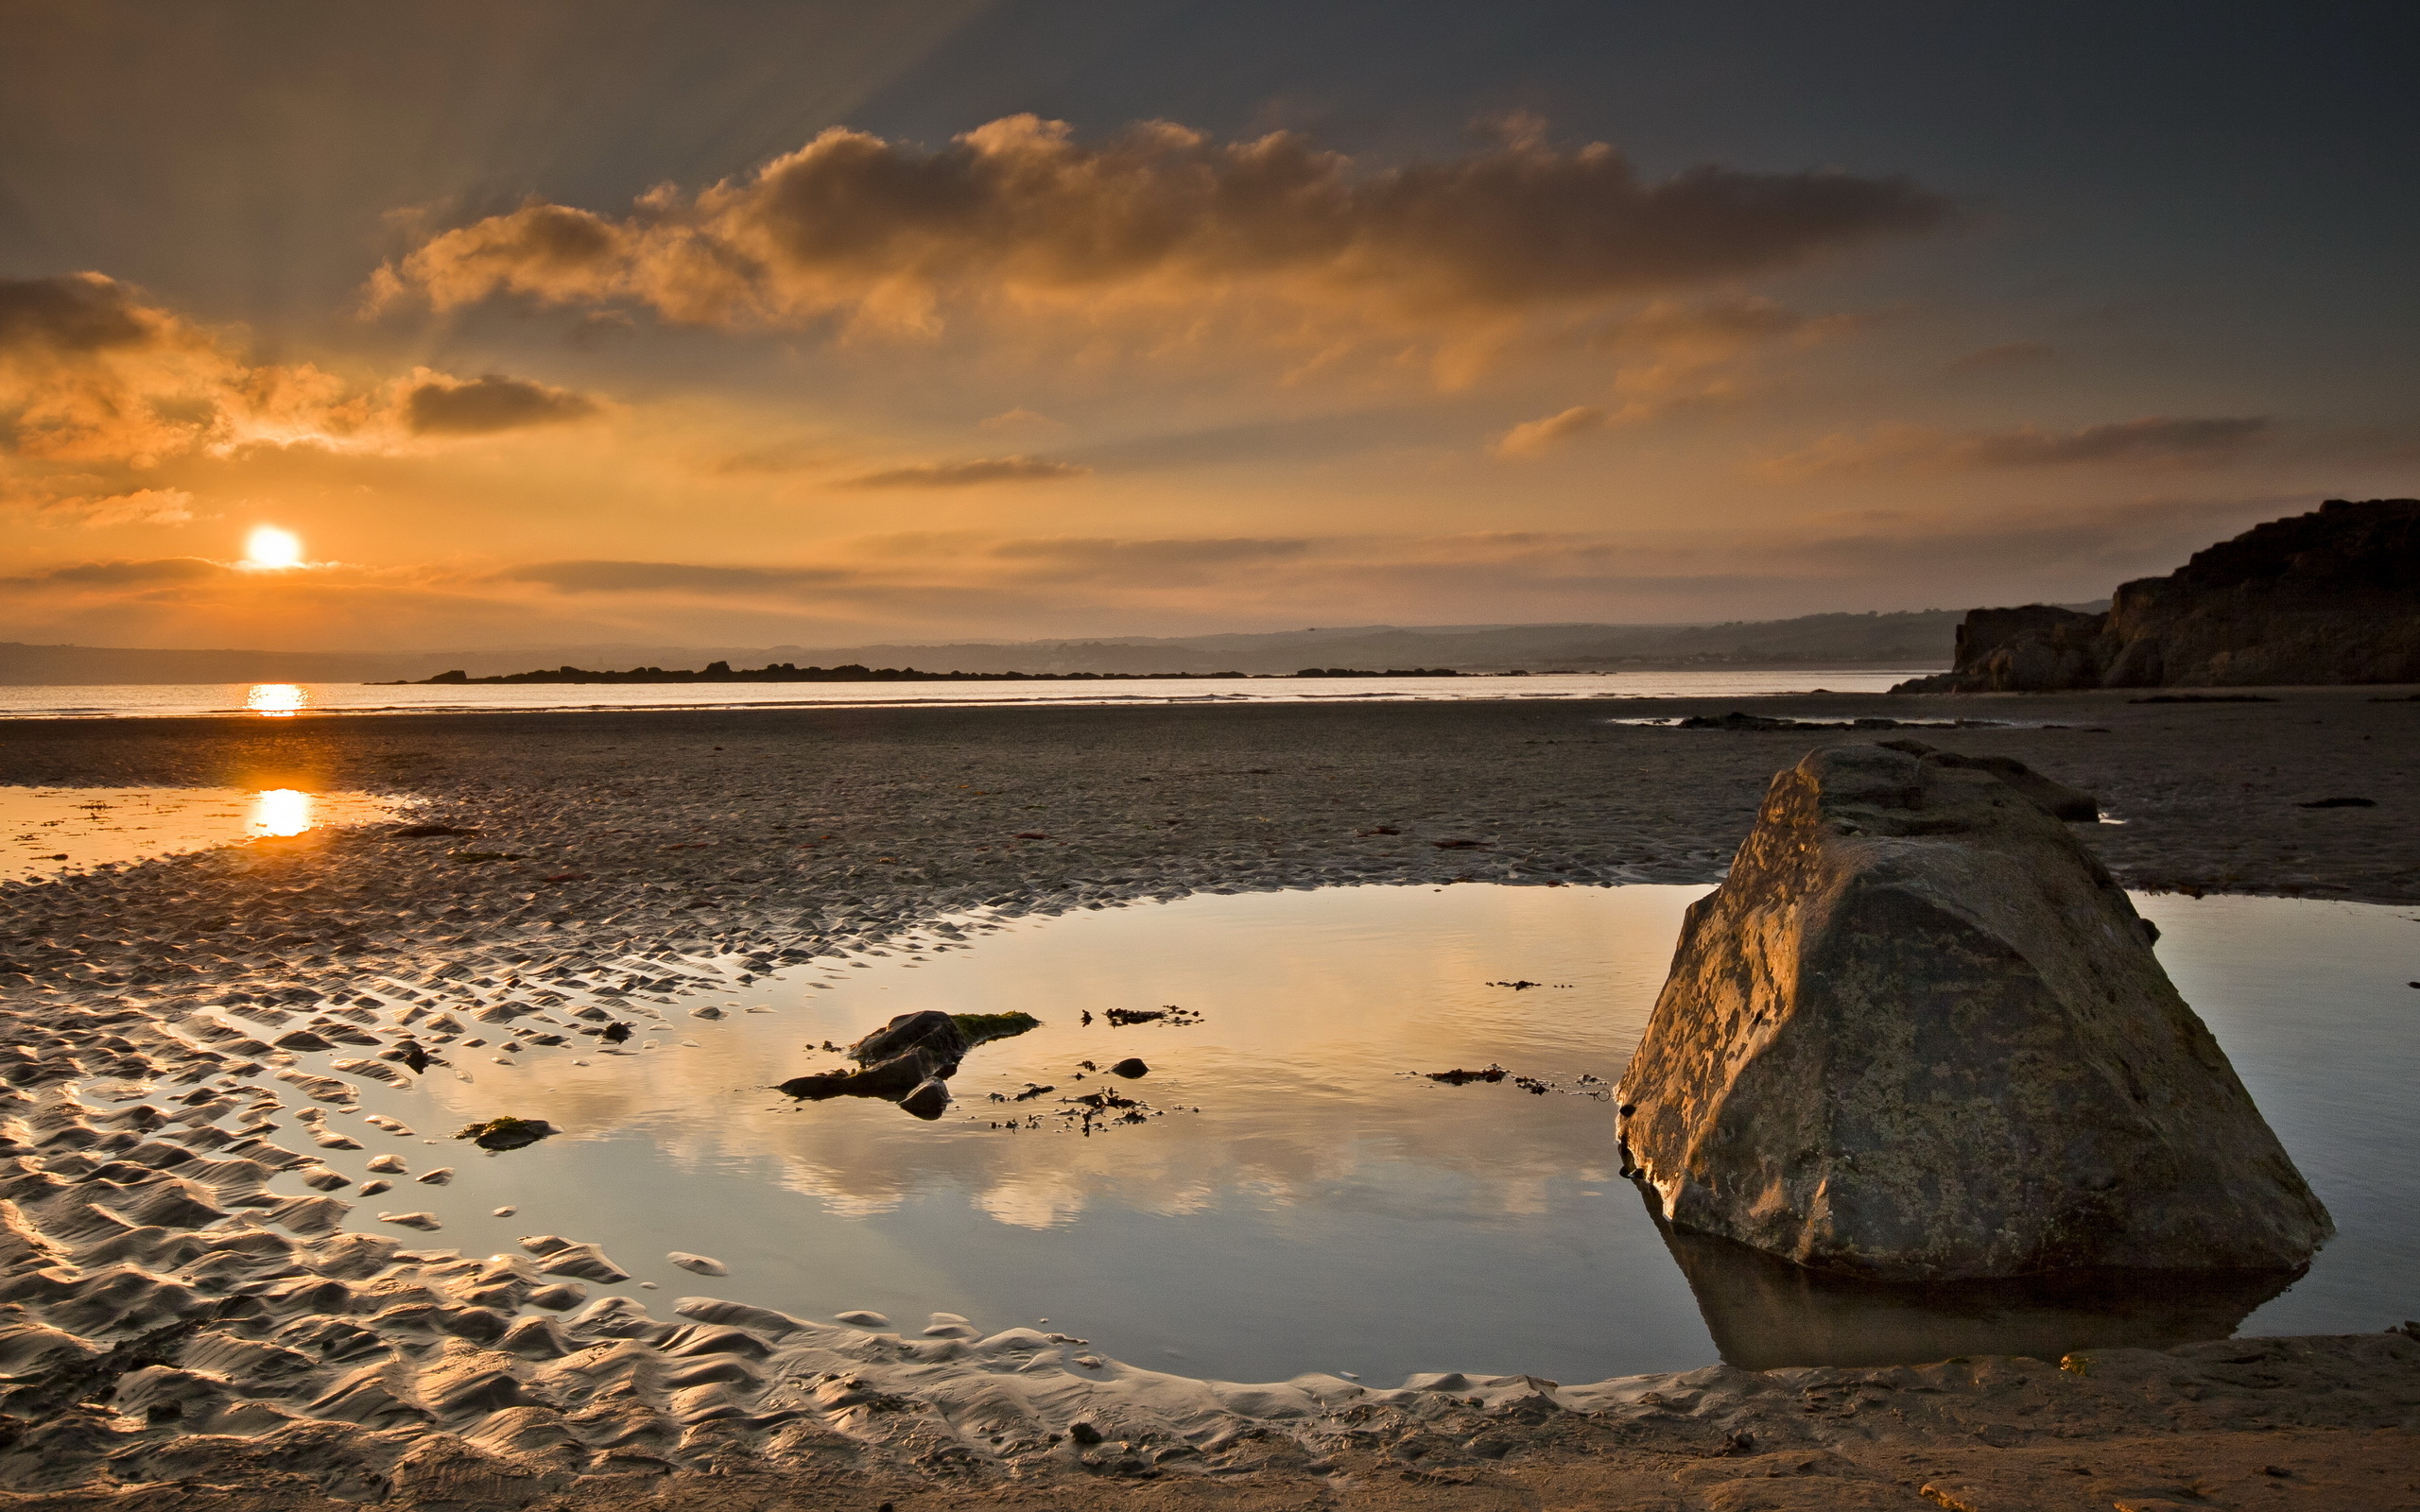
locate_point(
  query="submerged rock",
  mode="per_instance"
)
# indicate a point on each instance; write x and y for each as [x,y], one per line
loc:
[1919,1033]
[928,1100]
[504,1133]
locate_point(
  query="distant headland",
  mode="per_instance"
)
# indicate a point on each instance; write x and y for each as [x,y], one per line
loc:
[2328,597]
[784,672]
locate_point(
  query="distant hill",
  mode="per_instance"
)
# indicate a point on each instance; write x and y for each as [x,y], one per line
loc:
[1917,641]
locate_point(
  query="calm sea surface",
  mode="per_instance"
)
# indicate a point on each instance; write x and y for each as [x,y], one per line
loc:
[287,699]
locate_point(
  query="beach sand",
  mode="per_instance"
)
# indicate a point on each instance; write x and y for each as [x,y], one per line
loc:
[173,1334]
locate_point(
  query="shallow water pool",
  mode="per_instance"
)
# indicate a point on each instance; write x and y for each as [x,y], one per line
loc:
[47,831]
[1296,1194]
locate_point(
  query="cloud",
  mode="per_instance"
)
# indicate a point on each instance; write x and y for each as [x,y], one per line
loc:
[124,574]
[663,577]
[971,583]
[1021,418]
[78,313]
[69,499]
[439,405]
[1533,438]
[967,474]
[2155,437]
[1683,358]
[874,234]
[99,389]
[2152,440]
[2006,355]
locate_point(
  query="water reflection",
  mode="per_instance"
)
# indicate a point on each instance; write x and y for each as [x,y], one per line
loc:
[1306,1199]
[47,831]
[280,812]
[1766,1313]
[277,700]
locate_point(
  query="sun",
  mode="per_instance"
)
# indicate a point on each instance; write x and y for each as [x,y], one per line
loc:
[269,546]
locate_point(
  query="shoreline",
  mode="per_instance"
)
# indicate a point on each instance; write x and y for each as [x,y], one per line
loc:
[766,837]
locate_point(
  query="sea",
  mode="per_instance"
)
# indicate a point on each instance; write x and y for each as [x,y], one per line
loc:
[295,700]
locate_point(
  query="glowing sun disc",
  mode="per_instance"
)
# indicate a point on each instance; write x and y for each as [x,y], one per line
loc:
[269,546]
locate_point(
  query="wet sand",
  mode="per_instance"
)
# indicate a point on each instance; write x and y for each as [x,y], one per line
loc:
[169,1325]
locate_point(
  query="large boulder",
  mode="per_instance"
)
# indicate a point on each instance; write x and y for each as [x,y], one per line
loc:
[1918,1033]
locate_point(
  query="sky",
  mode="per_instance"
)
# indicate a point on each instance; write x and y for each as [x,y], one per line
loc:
[726,324]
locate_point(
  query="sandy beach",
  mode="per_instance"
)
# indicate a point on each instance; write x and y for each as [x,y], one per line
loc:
[174,1335]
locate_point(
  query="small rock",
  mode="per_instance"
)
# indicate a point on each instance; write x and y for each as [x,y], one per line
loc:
[1131,1068]
[425,1221]
[371,1188]
[930,1099]
[504,1212]
[701,1264]
[438,1178]
[863,1319]
[387,1165]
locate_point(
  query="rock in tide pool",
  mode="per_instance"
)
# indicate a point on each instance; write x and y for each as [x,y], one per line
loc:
[1918,1033]
[928,1100]
[506,1133]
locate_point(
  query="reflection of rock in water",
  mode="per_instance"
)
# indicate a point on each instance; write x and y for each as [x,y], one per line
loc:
[1766,1313]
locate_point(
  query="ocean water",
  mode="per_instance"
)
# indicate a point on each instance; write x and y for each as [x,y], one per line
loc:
[1291,1191]
[292,699]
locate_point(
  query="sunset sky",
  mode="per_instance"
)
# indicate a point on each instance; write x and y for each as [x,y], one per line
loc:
[547,324]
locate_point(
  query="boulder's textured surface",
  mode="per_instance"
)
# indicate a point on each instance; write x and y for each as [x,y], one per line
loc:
[2327,597]
[1919,1034]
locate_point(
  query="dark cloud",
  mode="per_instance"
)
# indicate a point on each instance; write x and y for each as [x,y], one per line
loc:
[665,577]
[855,225]
[967,474]
[483,406]
[74,314]
[1168,562]
[2006,355]
[142,573]
[2151,438]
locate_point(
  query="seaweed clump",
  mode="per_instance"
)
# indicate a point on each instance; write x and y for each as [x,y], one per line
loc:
[506,1133]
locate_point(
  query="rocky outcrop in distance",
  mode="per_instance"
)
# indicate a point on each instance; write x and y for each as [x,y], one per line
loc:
[1918,1034]
[2332,596]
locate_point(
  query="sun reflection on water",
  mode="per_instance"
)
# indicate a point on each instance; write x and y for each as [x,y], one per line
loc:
[280,811]
[276,700]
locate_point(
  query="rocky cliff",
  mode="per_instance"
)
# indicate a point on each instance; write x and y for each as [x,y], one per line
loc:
[2331,596]
[1919,1034]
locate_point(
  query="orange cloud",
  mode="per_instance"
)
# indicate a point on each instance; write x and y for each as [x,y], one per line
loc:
[875,234]
[1685,358]
[968,475]
[99,389]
